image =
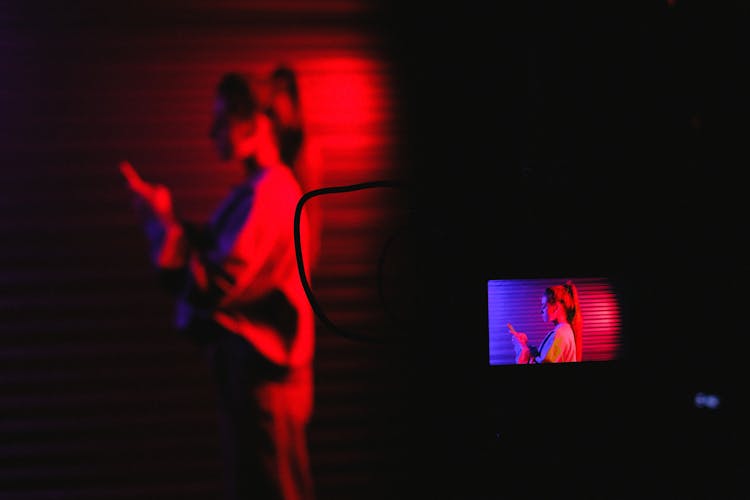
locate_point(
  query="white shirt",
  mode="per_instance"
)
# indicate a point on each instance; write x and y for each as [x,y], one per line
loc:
[559,346]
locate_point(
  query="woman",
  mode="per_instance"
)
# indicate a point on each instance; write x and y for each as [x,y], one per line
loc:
[563,344]
[238,292]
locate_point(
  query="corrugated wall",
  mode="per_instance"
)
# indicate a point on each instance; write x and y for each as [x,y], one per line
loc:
[99,397]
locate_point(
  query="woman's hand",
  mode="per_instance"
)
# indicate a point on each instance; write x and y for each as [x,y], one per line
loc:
[155,197]
[520,345]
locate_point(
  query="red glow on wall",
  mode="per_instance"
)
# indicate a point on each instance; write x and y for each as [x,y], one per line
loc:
[100,84]
[602,322]
[350,92]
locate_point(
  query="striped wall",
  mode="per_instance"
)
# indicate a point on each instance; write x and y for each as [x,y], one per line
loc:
[99,398]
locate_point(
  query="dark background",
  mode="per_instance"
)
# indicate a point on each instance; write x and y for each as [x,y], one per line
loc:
[570,139]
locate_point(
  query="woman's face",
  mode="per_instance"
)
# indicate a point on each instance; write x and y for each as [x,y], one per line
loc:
[548,309]
[232,136]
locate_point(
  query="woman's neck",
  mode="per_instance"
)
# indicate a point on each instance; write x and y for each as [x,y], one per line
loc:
[251,165]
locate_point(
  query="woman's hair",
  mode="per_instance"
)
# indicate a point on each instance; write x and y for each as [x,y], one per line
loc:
[234,89]
[567,295]
[288,78]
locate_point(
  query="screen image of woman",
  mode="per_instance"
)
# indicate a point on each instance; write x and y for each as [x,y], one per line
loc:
[563,343]
[555,320]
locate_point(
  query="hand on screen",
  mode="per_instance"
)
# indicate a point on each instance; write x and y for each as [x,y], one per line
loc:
[519,336]
[520,345]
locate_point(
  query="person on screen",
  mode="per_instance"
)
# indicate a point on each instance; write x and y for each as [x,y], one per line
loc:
[238,294]
[562,344]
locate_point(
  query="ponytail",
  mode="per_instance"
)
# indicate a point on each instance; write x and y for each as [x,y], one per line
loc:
[574,318]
